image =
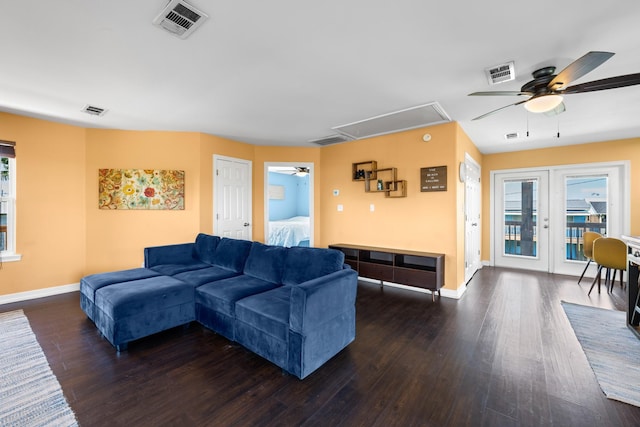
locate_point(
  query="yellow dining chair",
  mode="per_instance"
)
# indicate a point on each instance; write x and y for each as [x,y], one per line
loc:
[609,253]
[587,248]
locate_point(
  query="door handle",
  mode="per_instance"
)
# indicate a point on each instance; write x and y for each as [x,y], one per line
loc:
[246,224]
[474,224]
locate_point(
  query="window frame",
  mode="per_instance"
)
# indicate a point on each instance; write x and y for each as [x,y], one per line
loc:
[9,254]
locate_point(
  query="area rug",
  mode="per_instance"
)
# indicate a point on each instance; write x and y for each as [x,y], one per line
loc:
[613,351]
[30,394]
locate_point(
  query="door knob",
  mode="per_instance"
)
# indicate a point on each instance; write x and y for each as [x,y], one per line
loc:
[246,224]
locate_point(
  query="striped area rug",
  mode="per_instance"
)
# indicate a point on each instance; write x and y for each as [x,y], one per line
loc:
[30,394]
[613,351]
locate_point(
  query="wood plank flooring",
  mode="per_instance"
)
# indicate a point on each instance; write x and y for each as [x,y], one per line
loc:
[502,355]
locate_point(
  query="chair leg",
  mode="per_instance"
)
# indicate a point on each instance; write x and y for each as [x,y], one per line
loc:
[596,279]
[584,271]
[613,281]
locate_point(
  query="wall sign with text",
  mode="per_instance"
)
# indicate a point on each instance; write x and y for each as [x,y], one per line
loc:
[433,178]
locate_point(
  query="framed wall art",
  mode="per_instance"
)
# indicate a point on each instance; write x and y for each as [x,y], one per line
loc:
[150,189]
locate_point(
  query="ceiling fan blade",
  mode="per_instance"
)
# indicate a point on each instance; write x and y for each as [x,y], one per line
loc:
[502,93]
[603,84]
[499,109]
[561,108]
[579,68]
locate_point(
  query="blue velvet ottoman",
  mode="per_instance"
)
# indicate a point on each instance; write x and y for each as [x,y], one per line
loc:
[135,309]
[90,284]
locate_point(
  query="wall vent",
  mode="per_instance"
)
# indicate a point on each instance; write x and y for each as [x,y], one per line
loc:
[331,139]
[397,121]
[180,18]
[501,73]
[93,110]
[510,136]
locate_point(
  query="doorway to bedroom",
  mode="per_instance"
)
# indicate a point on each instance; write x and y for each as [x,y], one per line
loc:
[288,207]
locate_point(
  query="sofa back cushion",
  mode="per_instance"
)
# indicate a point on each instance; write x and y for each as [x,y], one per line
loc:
[266,262]
[205,247]
[304,264]
[232,254]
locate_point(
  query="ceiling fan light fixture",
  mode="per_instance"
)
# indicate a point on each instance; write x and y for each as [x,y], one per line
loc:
[542,104]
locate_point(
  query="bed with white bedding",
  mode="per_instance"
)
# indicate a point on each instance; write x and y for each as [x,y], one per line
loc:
[289,232]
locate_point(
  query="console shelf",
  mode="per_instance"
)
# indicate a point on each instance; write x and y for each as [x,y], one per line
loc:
[417,269]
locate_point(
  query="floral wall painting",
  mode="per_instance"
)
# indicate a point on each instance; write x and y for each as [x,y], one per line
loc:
[151,189]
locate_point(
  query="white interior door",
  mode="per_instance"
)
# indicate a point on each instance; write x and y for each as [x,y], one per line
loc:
[521,220]
[472,190]
[232,198]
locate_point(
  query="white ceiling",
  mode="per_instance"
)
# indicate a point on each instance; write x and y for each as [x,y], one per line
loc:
[283,72]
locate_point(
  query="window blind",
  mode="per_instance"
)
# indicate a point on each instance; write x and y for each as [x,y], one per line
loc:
[7,149]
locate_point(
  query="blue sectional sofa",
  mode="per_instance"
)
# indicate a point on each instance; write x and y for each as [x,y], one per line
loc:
[293,306]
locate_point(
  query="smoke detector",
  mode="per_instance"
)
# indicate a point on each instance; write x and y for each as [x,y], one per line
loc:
[180,18]
[501,73]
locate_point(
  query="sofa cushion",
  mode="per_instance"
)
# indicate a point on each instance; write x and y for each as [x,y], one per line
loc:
[305,264]
[173,269]
[267,312]
[205,247]
[154,294]
[90,284]
[205,275]
[232,254]
[221,296]
[266,262]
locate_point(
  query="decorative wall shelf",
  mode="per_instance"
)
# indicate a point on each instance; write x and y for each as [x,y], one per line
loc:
[383,180]
[360,170]
[391,175]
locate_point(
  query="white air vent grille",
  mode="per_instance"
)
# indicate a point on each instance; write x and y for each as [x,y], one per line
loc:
[410,118]
[93,110]
[331,139]
[512,135]
[180,18]
[501,73]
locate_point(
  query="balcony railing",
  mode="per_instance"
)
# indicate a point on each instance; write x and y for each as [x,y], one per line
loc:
[573,237]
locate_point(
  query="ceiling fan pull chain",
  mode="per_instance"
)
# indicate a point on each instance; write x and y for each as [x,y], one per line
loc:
[558,128]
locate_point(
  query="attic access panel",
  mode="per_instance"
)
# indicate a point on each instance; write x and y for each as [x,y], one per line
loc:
[397,121]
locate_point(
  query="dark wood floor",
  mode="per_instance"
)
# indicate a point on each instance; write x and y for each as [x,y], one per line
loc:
[503,355]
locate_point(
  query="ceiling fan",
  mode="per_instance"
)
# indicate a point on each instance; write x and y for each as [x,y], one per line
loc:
[301,171]
[546,89]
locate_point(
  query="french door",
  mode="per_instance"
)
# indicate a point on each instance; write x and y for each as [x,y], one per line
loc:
[539,216]
[521,231]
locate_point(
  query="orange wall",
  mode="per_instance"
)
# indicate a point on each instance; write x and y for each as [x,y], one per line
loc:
[628,149]
[50,204]
[423,221]
[62,234]
[115,238]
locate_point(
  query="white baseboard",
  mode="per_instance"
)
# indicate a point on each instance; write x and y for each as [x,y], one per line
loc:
[39,293]
[447,293]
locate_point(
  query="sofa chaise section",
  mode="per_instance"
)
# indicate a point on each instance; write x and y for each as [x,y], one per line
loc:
[131,310]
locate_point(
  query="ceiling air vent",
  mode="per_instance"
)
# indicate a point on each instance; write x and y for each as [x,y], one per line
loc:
[510,136]
[93,110]
[501,73]
[410,118]
[180,18]
[332,139]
